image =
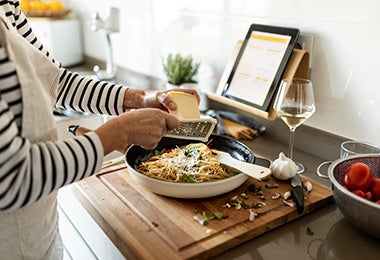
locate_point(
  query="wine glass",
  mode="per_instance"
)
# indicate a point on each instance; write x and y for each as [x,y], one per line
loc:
[294,104]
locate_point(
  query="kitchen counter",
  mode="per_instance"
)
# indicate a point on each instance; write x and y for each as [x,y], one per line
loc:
[322,234]
[324,231]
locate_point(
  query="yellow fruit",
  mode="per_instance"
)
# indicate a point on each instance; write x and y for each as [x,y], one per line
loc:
[24,5]
[55,5]
[37,6]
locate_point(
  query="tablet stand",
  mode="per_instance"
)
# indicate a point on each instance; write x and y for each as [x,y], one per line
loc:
[297,67]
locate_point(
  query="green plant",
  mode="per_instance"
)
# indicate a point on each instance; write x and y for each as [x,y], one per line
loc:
[180,69]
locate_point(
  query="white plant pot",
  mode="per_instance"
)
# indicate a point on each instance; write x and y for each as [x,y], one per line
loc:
[170,86]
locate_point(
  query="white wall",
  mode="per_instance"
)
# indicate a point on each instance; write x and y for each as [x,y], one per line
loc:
[345,65]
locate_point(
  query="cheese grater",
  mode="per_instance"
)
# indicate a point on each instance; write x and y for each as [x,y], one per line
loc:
[194,129]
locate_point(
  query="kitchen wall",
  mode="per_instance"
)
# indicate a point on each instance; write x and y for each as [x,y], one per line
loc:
[344,65]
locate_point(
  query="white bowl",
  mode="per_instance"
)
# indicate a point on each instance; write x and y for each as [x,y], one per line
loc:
[188,190]
[136,154]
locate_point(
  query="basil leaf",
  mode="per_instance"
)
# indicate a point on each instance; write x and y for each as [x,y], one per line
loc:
[188,178]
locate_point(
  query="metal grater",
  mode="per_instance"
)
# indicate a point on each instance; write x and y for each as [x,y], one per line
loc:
[194,129]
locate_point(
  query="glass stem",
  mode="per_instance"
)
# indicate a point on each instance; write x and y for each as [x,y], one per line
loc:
[291,142]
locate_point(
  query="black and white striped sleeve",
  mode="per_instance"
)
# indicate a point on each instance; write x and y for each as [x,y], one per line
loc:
[86,94]
[20,22]
[30,171]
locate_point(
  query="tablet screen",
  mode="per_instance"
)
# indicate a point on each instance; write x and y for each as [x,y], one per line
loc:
[260,64]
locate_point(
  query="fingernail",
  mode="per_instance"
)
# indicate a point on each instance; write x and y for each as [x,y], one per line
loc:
[172,105]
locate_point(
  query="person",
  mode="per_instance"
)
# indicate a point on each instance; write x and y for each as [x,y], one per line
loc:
[33,163]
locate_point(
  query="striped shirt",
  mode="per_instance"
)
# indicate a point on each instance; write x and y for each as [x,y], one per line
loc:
[28,171]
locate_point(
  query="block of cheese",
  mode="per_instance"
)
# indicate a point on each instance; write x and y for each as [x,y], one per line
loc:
[187,105]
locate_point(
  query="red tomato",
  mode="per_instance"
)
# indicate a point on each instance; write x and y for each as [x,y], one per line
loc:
[368,195]
[375,189]
[378,202]
[357,177]
[360,193]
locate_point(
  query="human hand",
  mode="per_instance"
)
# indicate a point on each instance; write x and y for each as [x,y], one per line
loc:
[161,100]
[138,98]
[143,127]
[78,130]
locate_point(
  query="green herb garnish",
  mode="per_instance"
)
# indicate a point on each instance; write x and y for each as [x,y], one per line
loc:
[188,178]
[190,150]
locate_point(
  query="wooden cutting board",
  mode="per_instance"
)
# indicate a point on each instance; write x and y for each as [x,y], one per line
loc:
[172,219]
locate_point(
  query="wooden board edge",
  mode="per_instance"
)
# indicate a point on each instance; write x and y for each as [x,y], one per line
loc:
[240,234]
[110,213]
[271,115]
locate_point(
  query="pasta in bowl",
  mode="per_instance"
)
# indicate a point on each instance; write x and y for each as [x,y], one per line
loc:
[189,163]
[162,170]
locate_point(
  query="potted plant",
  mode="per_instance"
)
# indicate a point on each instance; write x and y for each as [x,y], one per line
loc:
[180,69]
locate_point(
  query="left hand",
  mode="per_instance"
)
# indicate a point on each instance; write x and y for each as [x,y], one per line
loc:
[160,99]
[137,98]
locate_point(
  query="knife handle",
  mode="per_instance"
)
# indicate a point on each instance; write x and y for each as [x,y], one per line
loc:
[297,193]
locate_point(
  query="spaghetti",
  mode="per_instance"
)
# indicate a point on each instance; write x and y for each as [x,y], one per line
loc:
[190,163]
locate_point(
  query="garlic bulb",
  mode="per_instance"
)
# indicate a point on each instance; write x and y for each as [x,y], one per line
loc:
[283,168]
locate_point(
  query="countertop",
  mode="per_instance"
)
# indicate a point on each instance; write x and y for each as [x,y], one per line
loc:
[323,234]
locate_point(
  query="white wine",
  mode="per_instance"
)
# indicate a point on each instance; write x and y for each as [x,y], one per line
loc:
[294,116]
[294,104]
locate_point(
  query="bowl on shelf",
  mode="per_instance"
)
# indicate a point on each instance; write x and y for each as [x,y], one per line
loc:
[362,213]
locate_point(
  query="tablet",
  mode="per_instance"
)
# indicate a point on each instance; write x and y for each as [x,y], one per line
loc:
[260,64]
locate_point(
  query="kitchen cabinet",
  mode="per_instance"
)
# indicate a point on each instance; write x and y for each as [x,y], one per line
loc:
[82,237]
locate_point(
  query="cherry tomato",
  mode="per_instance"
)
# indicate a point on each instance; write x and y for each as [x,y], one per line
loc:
[378,202]
[360,193]
[357,176]
[368,195]
[375,189]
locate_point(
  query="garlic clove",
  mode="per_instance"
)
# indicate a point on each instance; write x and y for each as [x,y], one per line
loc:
[308,186]
[286,195]
[283,168]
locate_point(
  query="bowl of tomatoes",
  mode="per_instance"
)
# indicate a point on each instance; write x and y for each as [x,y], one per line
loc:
[356,190]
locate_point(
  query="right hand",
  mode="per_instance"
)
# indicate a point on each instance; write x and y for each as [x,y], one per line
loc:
[143,127]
